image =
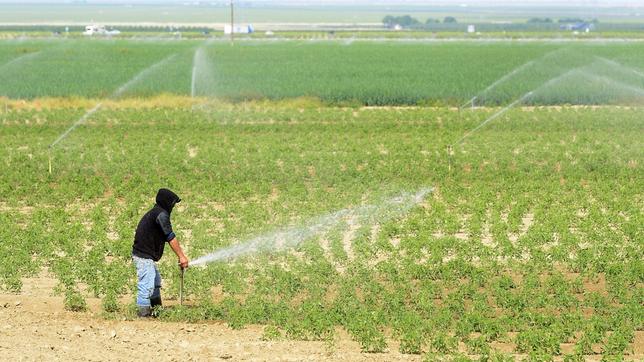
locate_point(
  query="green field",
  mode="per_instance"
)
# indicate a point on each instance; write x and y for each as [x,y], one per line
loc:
[336,72]
[521,241]
[533,239]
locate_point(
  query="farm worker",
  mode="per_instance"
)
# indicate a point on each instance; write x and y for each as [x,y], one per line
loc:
[153,231]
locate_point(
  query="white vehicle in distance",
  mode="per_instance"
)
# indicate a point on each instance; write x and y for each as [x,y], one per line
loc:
[91,30]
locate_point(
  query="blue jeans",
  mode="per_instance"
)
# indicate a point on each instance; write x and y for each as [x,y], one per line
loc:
[149,281]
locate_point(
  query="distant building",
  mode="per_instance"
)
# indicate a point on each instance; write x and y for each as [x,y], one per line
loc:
[239,29]
[471,29]
[580,27]
[94,29]
[99,30]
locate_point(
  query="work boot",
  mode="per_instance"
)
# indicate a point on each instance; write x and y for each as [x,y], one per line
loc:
[144,312]
[155,304]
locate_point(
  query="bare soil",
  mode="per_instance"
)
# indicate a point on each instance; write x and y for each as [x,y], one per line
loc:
[35,326]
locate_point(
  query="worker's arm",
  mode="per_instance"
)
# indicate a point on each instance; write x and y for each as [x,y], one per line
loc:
[183,260]
[164,222]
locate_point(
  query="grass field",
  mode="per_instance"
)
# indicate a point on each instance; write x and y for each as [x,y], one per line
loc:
[338,73]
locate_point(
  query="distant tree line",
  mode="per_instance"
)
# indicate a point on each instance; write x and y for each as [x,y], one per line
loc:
[449,22]
[561,21]
[406,21]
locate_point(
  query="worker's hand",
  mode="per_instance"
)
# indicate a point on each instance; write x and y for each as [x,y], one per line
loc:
[183,262]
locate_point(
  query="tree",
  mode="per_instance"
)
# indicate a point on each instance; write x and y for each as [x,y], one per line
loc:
[405,21]
[432,21]
[449,20]
[570,20]
[389,21]
[540,20]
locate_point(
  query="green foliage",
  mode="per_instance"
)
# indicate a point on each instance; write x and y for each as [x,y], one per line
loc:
[356,74]
[405,21]
[271,333]
[110,303]
[74,301]
[531,239]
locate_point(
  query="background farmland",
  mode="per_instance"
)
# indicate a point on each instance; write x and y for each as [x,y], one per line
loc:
[338,73]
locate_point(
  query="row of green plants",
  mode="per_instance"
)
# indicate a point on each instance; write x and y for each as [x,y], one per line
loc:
[530,239]
[343,72]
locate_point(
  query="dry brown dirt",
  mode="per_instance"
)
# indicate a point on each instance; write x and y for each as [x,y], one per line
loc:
[35,326]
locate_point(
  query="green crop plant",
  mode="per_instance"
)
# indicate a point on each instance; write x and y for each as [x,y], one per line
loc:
[530,240]
[363,73]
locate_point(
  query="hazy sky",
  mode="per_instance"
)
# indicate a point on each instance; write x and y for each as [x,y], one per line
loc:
[567,3]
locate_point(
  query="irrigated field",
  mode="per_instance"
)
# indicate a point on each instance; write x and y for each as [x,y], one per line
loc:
[512,229]
[341,72]
[530,246]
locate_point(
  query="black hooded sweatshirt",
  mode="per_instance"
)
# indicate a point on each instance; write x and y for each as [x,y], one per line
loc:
[155,229]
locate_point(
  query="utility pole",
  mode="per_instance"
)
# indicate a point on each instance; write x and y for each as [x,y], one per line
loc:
[232,23]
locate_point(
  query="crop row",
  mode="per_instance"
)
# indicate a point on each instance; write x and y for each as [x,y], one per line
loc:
[340,72]
[532,237]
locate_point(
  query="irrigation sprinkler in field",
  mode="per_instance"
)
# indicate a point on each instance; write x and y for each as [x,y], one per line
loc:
[471,101]
[492,117]
[569,72]
[70,129]
[117,93]
[621,66]
[506,77]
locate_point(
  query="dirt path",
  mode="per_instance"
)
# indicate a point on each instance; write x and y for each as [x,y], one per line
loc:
[38,328]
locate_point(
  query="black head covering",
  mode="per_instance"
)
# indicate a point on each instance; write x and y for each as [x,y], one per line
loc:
[167,199]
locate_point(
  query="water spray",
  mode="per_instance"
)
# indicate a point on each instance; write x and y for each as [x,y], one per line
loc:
[507,76]
[117,93]
[18,60]
[621,66]
[492,117]
[548,83]
[631,88]
[289,238]
[141,75]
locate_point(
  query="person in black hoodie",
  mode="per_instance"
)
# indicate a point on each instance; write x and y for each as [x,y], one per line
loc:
[152,233]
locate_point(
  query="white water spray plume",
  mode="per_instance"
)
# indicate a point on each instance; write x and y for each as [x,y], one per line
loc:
[19,60]
[492,117]
[517,101]
[291,237]
[510,74]
[80,120]
[203,79]
[145,72]
[196,60]
[137,78]
[613,82]
[621,67]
